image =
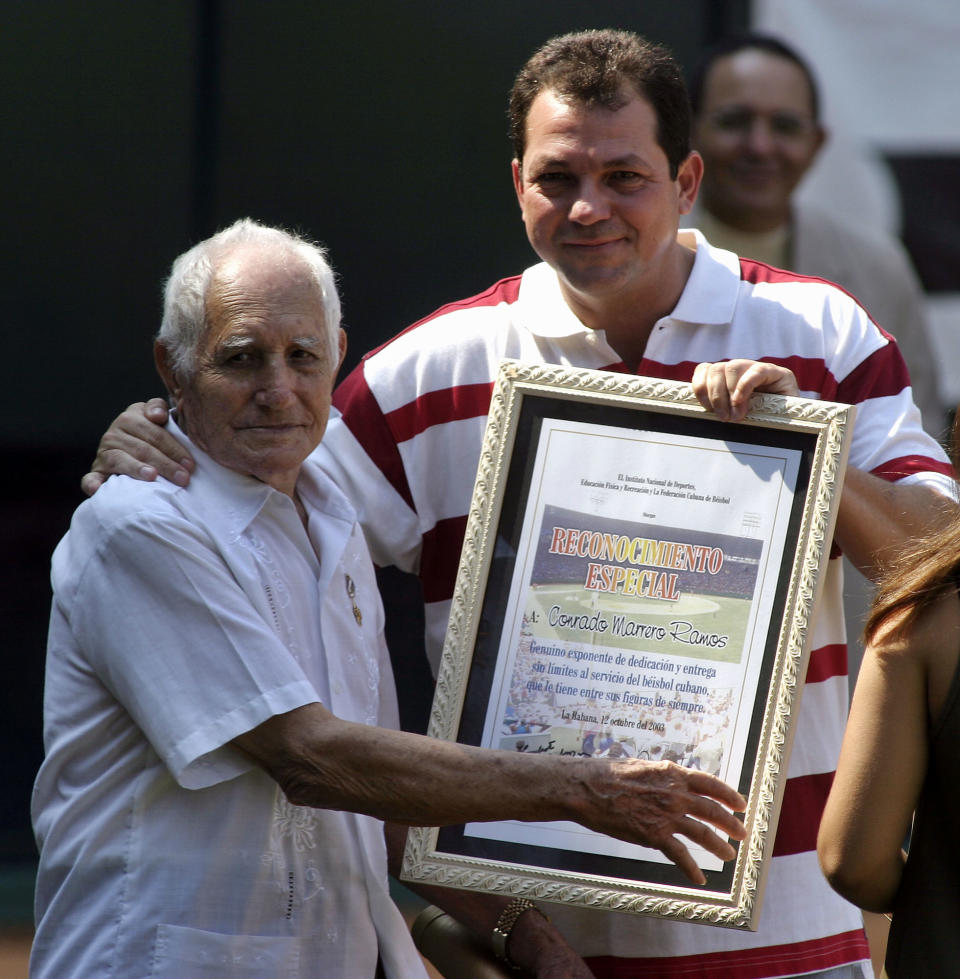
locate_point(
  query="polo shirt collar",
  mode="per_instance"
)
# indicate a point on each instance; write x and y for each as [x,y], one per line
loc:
[545,312]
[711,293]
[709,297]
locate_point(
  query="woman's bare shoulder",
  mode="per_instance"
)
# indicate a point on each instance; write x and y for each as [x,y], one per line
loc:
[931,641]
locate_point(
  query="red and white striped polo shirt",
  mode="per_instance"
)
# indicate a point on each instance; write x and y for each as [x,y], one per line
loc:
[404,441]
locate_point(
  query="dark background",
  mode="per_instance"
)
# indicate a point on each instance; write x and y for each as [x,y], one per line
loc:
[134,128]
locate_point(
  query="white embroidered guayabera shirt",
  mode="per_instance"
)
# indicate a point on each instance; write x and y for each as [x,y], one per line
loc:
[181,619]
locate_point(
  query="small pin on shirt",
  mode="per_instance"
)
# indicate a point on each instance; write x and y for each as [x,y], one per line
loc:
[351,594]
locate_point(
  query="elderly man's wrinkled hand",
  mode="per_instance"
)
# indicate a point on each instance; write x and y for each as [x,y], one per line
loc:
[651,803]
[725,387]
[136,444]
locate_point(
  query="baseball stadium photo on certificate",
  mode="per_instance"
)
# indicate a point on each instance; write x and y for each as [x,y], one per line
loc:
[637,581]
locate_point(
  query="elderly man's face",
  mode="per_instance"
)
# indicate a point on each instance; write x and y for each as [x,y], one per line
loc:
[259,398]
[757,136]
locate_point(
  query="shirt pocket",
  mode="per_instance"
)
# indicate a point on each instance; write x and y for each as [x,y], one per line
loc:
[189,953]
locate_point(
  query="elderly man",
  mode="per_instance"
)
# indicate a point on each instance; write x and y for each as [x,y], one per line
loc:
[214,777]
[756,123]
[603,170]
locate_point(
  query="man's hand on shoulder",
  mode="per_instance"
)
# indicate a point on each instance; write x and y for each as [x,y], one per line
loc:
[725,387]
[136,444]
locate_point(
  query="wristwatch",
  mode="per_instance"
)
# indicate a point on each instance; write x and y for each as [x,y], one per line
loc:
[505,924]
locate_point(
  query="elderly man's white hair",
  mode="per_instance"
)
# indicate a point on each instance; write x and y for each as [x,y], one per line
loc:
[185,291]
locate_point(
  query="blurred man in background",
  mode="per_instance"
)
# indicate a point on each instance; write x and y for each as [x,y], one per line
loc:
[756,122]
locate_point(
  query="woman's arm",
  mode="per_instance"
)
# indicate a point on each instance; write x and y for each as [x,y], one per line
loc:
[883,760]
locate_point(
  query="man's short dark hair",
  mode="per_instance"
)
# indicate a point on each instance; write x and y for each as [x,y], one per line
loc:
[591,67]
[750,41]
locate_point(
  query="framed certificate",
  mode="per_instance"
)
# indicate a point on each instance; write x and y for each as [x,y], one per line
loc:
[637,580]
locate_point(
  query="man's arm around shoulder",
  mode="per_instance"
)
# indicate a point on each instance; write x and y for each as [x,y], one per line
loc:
[136,444]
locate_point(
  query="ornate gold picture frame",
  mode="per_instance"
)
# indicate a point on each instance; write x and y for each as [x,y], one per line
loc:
[637,579]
